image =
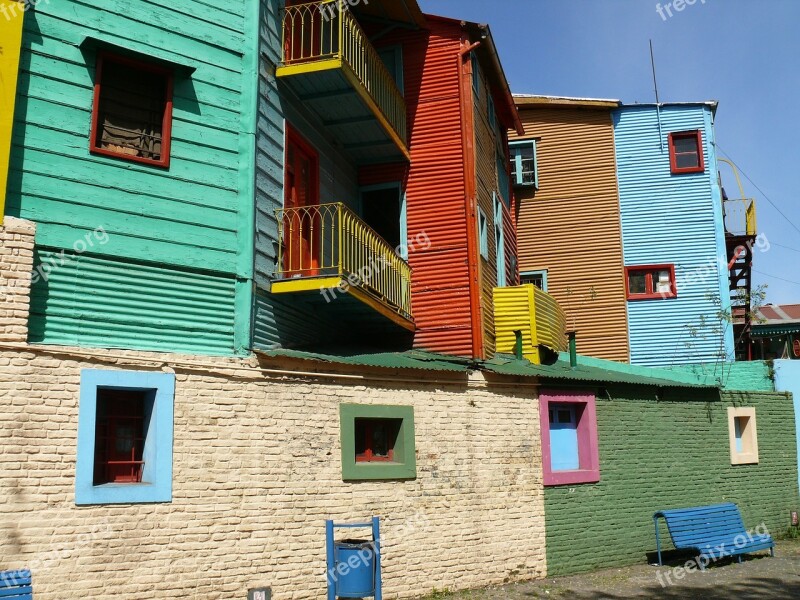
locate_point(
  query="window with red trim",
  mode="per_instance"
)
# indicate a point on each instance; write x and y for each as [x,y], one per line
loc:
[376,439]
[686,152]
[132,110]
[570,452]
[119,436]
[650,282]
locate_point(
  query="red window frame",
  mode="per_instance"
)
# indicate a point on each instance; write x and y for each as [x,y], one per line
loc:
[104,58]
[650,293]
[673,155]
[370,426]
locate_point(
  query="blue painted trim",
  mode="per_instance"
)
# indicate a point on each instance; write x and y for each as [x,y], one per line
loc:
[517,161]
[483,233]
[500,241]
[158,479]
[543,273]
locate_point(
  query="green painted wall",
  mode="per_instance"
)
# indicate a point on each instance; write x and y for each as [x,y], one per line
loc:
[195,218]
[669,453]
[740,376]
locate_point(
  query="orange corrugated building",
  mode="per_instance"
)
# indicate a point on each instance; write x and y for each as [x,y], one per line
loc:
[572,195]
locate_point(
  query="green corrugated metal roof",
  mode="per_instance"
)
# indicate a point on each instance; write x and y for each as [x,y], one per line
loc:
[410,359]
[597,371]
[588,369]
[768,330]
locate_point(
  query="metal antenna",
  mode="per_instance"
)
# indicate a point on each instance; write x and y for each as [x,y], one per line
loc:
[658,101]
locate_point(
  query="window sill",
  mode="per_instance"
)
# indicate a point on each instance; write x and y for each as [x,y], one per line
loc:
[688,170]
[380,471]
[163,164]
[554,478]
[745,459]
[637,297]
[123,493]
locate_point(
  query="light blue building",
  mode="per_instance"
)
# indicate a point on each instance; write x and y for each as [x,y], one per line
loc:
[673,234]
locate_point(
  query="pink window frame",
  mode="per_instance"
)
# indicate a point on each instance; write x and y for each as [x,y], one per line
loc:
[588,453]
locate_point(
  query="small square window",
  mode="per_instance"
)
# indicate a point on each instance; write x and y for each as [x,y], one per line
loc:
[569,437]
[125,432]
[743,436]
[650,282]
[537,278]
[483,233]
[524,167]
[376,439]
[132,110]
[686,152]
[377,442]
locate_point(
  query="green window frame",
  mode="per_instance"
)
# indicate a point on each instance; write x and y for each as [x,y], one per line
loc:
[404,461]
[476,75]
[500,243]
[524,170]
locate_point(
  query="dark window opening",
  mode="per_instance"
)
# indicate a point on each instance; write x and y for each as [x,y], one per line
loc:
[376,439]
[652,282]
[381,210]
[132,110]
[120,436]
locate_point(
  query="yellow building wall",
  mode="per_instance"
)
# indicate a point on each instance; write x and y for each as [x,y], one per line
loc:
[571,225]
[11,16]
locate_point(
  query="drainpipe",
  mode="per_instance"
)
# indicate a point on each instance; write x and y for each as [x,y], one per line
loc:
[573,349]
[518,345]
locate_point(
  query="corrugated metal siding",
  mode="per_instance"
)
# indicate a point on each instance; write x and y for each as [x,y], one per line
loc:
[672,219]
[532,312]
[435,198]
[571,227]
[186,215]
[109,303]
[486,146]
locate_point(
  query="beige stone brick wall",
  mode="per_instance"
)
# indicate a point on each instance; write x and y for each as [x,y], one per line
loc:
[257,471]
[16,266]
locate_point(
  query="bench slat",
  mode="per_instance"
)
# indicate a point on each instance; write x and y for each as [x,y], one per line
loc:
[23,592]
[14,578]
[711,531]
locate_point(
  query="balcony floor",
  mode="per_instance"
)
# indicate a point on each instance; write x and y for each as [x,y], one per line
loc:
[357,310]
[346,109]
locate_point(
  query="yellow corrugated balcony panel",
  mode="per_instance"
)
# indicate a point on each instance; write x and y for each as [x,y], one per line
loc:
[535,314]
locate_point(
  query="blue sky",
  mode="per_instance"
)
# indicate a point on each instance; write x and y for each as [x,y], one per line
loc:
[743,53]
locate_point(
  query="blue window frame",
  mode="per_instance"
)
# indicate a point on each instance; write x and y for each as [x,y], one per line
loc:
[157,393]
[503,182]
[483,232]
[564,455]
[492,116]
[500,241]
[524,164]
[537,278]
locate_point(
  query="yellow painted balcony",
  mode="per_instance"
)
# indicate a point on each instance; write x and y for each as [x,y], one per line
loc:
[740,217]
[332,257]
[535,314]
[333,68]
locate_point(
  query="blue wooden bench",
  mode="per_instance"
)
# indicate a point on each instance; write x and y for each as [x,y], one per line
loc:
[713,531]
[16,585]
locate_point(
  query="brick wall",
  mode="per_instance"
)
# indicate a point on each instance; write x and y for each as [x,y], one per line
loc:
[669,453]
[257,472]
[753,375]
[16,266]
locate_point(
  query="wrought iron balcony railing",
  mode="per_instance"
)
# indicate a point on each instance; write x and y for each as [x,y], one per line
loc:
[330,240]
[327,31]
